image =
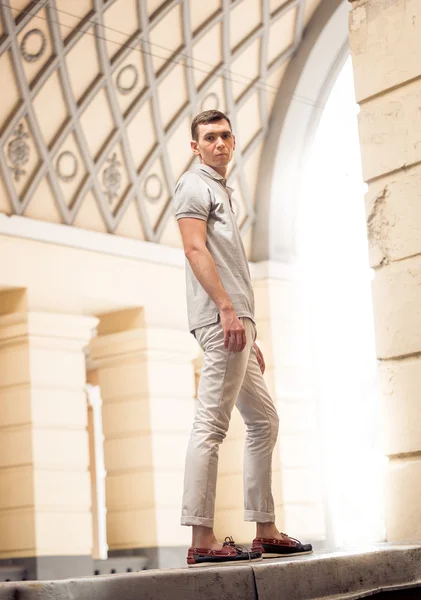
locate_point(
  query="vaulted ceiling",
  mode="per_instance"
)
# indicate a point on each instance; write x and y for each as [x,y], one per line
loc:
[97,97]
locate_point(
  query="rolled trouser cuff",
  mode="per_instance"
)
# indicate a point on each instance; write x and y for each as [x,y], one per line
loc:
[204,521]
[259,517]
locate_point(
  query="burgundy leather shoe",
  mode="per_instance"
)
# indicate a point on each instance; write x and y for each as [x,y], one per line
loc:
[230,553]
[287,546]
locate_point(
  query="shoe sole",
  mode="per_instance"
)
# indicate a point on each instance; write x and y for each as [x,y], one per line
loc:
[225,562]
[276,555]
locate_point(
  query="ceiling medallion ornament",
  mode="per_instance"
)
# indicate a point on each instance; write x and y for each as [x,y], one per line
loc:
[18,152]
[33,56]
[211,101]
[111,178]
[126,89]
[153,187]
[67,157]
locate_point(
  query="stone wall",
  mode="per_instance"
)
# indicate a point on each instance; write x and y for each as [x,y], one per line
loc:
[385,39]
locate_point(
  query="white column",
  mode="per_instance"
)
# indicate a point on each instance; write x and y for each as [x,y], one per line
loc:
[98,472]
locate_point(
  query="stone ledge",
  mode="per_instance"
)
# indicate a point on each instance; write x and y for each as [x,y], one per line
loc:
[341,575]
[381,571]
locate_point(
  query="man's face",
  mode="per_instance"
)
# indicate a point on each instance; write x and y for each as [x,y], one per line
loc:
[215,145]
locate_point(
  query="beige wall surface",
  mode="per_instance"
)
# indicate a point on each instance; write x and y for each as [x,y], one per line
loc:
[44,472]
[145,360]
[385,42]
[104,161]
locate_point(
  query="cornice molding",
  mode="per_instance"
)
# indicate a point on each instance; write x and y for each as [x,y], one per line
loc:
[114,245]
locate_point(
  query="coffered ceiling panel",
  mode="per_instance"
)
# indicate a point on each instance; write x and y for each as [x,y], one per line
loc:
[130,80]
[5,205]
[19,6]
[50,121]
[69,15]
[141,135]
[245,67]
[165,37]
[82,64]
[120,23]
[89,215]
[70,169]
[22,153]
[204,60]
[35,46]
[10,95]
[275,4]
[273,83]
[156,193]
[200,12]
[131,223]
[97,123]
[114,178]
[98,95]
[43,206]
[238,203]
[248,120]
[178,148]
[281,34]
[213,97]
[251,167]
[172,94]
[244,18]
[153,5]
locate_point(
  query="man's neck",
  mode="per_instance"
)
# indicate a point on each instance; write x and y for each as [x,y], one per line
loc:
[220,170]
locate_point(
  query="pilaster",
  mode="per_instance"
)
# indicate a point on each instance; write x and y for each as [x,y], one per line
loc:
[45,501]
[146,375]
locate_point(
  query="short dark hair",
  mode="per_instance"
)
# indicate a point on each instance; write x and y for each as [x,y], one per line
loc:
[207,116]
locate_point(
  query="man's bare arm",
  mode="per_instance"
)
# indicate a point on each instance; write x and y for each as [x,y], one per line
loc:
[193,233]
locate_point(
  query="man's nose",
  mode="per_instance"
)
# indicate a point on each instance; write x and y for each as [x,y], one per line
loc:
[220,142]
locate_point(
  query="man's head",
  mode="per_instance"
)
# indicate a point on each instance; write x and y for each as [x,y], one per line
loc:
[212,139]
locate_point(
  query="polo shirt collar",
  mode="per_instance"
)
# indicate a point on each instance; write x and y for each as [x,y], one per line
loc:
[214,174]
[207,169]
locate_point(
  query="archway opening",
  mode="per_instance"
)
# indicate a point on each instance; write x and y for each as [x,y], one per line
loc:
[332,245]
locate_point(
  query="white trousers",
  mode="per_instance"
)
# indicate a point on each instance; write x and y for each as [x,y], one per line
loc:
[228,379]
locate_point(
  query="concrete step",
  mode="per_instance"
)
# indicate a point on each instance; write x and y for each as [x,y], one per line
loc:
[383,572]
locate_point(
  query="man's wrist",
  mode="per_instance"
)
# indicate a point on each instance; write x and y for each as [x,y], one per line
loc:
[226,307]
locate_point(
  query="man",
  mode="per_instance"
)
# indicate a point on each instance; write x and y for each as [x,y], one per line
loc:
[220,304]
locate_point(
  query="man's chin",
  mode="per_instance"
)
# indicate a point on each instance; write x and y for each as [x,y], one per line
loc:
[222,161]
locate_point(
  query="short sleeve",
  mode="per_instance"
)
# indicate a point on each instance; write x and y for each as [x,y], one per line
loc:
[192,198]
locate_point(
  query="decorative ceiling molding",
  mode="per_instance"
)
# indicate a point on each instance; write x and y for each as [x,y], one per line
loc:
[40,42]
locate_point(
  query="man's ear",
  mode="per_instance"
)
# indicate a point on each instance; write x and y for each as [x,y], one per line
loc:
[194,147]
[233,146]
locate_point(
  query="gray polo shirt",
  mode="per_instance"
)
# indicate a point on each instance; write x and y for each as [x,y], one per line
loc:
[201,193]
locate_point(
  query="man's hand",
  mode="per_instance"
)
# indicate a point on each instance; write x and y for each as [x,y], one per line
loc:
[260,358]
[234,332]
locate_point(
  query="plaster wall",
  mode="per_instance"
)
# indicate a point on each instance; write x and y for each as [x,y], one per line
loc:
[129,299]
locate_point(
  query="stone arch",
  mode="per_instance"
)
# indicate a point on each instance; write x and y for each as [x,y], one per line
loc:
[296,113]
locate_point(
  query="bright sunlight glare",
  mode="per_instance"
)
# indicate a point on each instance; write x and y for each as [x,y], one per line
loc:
[333,247]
